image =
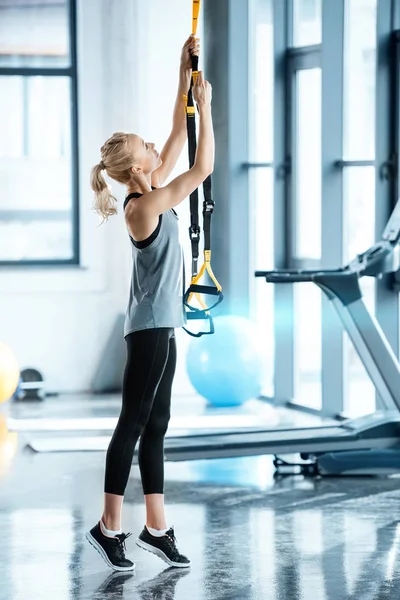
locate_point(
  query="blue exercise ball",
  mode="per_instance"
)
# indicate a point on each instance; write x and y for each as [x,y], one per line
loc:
[226,367]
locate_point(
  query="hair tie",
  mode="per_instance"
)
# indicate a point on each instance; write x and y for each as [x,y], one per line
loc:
[102,165]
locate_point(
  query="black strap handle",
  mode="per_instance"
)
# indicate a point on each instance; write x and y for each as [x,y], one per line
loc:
[196,288]
[206,290]
[203,317]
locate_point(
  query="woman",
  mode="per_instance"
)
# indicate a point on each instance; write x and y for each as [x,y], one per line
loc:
[155,309]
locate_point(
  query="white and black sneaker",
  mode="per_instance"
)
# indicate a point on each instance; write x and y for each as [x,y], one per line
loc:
[111,549]
[164,547]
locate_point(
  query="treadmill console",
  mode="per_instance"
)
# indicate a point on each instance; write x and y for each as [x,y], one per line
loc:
[392,229]
[372,261]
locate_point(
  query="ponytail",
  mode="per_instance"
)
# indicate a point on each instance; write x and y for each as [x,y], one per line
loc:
[104,203]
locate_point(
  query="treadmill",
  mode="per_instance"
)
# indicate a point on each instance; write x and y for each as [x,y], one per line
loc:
[365,445]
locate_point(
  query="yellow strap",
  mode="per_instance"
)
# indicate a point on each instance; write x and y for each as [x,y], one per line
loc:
[200,300]
[195,15]
[190,110]
[195,75]
[198,297]
[206,266]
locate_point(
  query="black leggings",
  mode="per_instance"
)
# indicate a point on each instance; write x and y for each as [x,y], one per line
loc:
[145,413]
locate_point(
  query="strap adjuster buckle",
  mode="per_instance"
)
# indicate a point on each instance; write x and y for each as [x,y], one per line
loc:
[208,207]
[194,233]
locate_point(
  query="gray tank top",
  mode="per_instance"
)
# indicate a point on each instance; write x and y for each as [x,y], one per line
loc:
[157,284]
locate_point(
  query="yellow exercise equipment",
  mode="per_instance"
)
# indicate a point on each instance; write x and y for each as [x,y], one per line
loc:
[196,290]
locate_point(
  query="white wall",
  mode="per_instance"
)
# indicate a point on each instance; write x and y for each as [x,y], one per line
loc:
[57,319]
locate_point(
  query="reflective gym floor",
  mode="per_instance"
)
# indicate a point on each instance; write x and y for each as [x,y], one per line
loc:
[250,537]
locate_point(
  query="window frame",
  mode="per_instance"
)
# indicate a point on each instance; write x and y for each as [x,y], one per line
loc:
[287,60]
[71,72]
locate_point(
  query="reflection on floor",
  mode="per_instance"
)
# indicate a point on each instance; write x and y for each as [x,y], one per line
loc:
[250,537]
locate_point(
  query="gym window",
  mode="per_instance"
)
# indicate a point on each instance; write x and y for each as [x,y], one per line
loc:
[323,179]
[38,133]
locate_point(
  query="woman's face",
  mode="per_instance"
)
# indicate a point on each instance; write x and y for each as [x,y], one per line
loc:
[145,155]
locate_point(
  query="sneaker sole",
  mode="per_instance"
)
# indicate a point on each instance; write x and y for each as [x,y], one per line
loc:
[161,555]
[95,544]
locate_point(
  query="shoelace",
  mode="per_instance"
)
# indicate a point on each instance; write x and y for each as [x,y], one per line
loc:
[122,546]
[172,540]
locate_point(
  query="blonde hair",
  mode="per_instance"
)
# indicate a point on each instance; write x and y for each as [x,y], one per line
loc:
[117,161]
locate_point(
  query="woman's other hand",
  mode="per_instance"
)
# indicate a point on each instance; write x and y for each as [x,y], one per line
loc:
[202,91]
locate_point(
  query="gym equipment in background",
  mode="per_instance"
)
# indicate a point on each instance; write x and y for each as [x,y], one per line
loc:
[201,312]
[227,368]
[371,444]
[9,373]
[31,385]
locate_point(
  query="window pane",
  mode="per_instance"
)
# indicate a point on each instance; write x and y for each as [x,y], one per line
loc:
[308,353]
[359,210]
[11,124]
[34,33]
[261,193]
[307,164]
[307,22]
[261,81]
[36,239]
[35,164]
[262,213]
[360,79]
[359,219]
[262,244]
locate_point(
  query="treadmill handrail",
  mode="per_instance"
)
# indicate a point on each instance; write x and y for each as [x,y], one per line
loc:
[362,264]
[296,275]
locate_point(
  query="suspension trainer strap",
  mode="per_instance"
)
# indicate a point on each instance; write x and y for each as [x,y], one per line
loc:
[196,290]
[194,229]
[195,15]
